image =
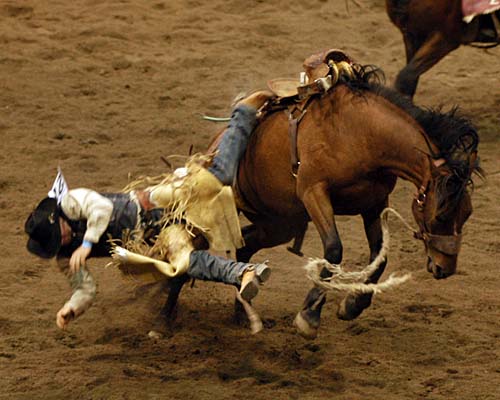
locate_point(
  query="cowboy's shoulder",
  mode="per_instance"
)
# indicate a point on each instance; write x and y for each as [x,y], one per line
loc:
[74,201]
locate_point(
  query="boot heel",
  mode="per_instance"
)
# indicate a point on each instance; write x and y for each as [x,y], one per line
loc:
[249,286]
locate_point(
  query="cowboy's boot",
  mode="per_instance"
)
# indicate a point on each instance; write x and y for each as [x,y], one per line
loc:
[252,278]
[257,99]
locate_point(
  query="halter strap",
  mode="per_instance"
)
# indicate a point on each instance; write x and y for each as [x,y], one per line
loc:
[446,244]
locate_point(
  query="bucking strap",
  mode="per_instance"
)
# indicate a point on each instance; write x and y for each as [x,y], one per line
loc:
[292,133]
[293,126]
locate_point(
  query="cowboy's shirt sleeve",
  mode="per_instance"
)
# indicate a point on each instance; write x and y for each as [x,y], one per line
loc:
[86,204]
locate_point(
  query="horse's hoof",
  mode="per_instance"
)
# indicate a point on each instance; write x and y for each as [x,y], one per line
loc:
[169,316]
[304,328]
[240,316]
[353,305]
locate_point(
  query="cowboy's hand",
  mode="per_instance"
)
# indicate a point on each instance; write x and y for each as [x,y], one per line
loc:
[64,316]
[78,258]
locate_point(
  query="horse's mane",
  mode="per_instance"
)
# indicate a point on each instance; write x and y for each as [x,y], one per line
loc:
[453,134]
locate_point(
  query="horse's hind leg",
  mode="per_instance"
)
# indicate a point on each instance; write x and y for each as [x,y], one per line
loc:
[354,303]
[428,54]
[317,202]
[270,233]
[265,234]
[170,307]
[251,234]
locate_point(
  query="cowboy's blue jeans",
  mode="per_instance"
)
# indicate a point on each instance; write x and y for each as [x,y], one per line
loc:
[203,265]
[207,267]
[233,143]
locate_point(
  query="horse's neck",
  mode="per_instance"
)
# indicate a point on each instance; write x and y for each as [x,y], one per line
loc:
[406,148]
[413,165]
[412,159]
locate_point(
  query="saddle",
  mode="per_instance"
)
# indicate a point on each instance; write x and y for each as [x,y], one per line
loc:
[489,29]
[322,71]
[487,13]
[473,8]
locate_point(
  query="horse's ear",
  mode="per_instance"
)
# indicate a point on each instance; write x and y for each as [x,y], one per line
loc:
[475,167]
[473,161]
[437,162]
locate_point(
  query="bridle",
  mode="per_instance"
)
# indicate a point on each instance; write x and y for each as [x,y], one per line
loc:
[445,244]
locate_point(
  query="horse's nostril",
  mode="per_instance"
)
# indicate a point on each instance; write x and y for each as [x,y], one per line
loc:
[438,272]
[430,264]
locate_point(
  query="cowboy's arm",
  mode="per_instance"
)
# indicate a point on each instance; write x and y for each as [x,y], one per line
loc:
[81,204]
[83,293]
[86,204]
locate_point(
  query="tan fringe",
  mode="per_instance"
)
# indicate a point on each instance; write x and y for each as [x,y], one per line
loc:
[133,242]
[176,214]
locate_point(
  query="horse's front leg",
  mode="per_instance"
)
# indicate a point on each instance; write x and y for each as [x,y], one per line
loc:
[317,202]
[354,303]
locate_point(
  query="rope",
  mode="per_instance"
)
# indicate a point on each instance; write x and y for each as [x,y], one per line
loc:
[384,215]
[341,280]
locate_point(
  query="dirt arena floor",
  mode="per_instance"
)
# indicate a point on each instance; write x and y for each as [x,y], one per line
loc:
[104,89]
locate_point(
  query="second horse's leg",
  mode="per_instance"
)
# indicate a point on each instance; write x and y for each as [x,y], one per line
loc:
[429,53]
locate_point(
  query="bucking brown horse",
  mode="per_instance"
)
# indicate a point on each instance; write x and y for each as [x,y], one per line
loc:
[354,140]
[431,29]
[353,143]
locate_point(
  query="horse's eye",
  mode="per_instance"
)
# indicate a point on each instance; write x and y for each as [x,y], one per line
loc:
[441,218]
[420,199]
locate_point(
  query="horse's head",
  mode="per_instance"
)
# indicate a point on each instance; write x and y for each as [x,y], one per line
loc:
[441,208]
